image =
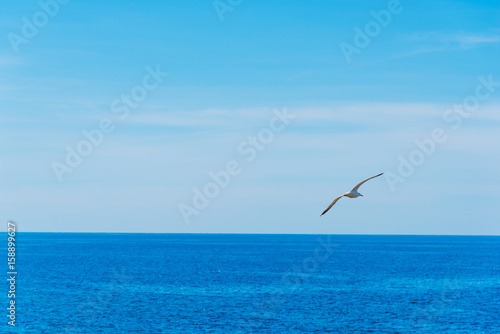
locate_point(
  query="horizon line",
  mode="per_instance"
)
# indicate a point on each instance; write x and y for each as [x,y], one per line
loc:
[243,233]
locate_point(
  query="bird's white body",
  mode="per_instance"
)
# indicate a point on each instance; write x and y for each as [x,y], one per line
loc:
[351,194]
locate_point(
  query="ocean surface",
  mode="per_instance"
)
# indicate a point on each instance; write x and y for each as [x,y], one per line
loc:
[229,283]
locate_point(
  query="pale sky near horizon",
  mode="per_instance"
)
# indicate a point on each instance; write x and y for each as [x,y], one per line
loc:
[232,67]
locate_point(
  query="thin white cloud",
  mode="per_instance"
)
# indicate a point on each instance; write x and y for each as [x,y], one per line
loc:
[341,114]
[464,39]
[442,41]
[476,39]
[207,118]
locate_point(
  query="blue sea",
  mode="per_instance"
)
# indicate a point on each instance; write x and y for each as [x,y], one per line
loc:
[242,283]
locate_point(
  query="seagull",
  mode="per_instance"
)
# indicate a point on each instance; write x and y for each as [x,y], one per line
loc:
[351,194]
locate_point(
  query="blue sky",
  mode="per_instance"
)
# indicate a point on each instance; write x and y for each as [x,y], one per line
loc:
[227,79]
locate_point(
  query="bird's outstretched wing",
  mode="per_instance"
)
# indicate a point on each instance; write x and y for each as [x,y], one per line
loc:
[359,184]
[332,204]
